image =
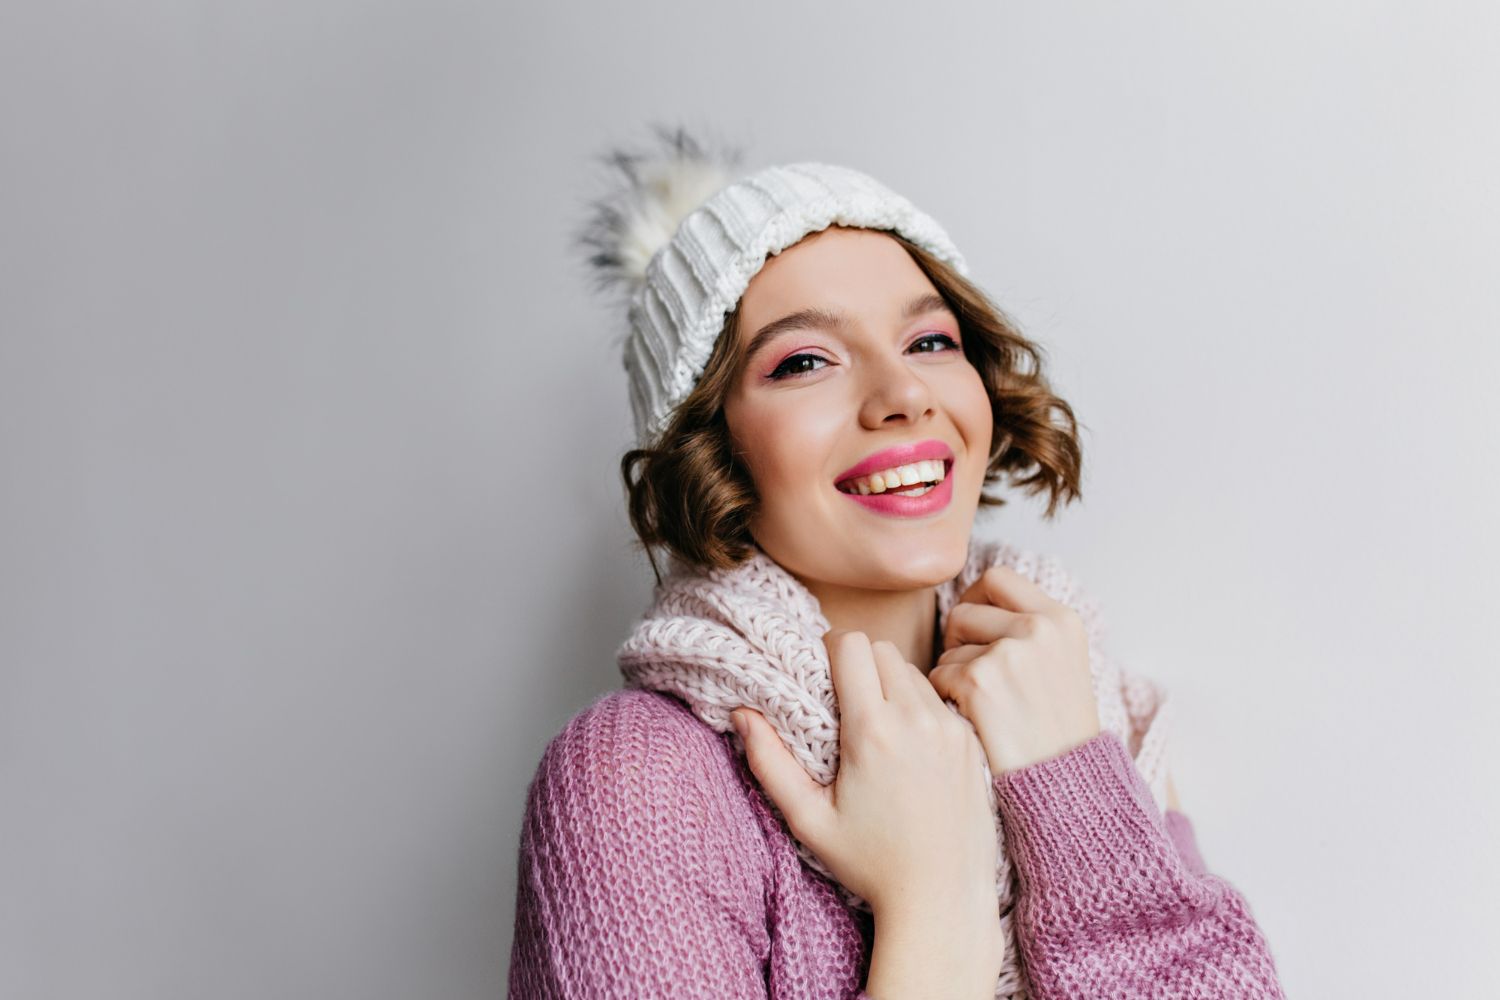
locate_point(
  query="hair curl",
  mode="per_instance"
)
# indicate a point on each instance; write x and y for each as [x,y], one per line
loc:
[689,494]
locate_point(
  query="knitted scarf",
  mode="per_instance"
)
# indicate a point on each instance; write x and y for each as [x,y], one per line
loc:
[752,635]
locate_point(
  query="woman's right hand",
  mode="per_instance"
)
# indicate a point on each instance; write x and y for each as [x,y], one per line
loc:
[906,823]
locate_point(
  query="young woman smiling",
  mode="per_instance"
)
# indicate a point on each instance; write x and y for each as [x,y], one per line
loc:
[939,783]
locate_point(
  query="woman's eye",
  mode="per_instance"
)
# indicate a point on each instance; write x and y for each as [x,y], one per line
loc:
[952,344]
[781,371]
[789,369]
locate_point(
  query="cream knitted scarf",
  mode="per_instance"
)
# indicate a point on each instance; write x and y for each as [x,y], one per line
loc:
[752,636]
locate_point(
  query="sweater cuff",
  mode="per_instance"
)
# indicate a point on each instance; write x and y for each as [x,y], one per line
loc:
[1085,818]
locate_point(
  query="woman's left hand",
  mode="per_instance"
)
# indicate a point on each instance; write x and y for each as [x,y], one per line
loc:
[1016,663]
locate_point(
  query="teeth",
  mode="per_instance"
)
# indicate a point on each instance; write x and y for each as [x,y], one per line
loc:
[896,478]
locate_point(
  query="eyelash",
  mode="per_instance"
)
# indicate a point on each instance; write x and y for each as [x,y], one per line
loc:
[775,375]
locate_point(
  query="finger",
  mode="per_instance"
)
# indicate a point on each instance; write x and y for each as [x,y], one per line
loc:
[979,623]
[803,801]
[943,678]
[961,654]
[895,671]
[925,690]
[1008,588]
[856,680]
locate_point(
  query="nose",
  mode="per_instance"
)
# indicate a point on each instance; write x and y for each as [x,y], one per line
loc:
[893,392]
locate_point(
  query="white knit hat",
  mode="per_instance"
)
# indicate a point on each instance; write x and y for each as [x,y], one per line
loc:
[685,238]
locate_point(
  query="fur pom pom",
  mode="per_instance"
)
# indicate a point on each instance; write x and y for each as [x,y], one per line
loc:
[653,190]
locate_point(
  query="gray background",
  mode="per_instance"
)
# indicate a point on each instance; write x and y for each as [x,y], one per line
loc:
[312,528]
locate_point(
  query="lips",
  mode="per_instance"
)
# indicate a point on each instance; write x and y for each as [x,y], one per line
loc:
[901,454]
[847,485]
[892,504]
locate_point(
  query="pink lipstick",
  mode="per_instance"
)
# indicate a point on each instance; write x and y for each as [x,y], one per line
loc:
[890,503]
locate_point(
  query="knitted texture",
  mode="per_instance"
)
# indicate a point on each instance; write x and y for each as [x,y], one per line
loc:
[751,635]
[697,277]
[652,865]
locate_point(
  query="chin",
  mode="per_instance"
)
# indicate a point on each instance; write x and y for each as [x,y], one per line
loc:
[918,563]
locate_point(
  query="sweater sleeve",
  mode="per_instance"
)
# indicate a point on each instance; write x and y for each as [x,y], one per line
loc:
[639,873]
[1109,903]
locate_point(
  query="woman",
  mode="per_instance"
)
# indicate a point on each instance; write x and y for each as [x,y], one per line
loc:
[939,784]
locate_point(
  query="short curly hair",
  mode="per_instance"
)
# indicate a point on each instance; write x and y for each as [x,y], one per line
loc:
[689,494]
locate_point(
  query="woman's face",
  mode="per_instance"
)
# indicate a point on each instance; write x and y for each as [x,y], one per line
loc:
[881,365]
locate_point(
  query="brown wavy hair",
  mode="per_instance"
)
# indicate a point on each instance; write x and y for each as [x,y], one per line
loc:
[689,494]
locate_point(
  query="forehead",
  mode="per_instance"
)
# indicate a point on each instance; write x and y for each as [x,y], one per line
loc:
[840,268]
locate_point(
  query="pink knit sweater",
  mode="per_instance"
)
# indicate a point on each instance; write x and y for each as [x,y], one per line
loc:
[651,865]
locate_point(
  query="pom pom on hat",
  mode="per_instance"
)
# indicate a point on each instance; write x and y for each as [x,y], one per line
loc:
[653,191]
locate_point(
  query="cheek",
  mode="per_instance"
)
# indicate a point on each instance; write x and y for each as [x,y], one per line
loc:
[786,449]
[972,411]
[787,473]
[764,438]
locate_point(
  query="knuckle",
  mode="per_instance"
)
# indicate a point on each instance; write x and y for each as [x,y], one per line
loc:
[844,640]
[925,722]
[1048,625]
[961,679]
[988,671]
[997,573]
[879,738]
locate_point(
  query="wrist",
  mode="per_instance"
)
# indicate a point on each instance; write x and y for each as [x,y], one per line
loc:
[964,933]
[970,905]
[939,959]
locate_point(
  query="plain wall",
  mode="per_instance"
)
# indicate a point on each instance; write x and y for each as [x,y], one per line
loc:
[312,533]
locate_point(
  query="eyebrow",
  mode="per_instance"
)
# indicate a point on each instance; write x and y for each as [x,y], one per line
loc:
[824,319]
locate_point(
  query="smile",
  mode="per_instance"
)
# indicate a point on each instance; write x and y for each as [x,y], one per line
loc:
[913,490]
[913,479]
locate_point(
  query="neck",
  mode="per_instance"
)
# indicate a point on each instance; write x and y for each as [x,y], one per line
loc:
[907,618]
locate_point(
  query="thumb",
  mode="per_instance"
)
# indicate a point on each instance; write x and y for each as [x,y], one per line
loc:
[803,801]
